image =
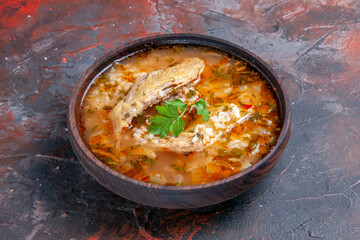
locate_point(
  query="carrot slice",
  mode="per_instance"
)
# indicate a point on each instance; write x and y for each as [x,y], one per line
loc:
[104,153]
[199,176]
[96,139]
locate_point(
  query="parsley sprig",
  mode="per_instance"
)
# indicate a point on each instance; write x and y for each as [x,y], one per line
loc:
[171,119]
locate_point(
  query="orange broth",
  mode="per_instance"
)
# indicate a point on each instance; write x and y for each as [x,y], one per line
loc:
[224,81]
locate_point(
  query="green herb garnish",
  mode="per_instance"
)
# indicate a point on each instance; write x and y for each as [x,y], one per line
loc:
[176,50]
[177,168]
[190,94]
[236,152]
[102,80]
[253,145]
[255,117]
[94,128]
[171,119]
[272,141]
[201,109]
[149,161]
[107,108]
[173,64]
[222,153]
[272,105]
[220,73]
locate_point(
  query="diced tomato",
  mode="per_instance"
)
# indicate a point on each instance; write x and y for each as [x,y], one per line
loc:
[247,106]
[145,179]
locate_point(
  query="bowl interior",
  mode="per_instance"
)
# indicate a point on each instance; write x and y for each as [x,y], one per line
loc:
[184,40]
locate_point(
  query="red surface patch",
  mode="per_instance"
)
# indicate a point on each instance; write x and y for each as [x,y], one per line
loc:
[11,11]
[351,43]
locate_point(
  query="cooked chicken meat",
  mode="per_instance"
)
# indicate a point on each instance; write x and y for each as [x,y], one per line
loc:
[153,88]
[201,134]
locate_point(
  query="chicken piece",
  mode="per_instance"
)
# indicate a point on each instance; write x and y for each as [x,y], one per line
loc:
[153,88]
[200,134]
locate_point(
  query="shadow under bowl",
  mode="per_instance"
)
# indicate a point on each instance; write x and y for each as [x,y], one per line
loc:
[177,197]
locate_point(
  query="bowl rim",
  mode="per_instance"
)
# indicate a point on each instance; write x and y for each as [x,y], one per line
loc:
[74,128]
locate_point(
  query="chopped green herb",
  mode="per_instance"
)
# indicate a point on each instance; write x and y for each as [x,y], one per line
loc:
[107,160]
[103,79]
[139,119]
[171,119]
[149,161]
[220,73]
[253,145]
[190,94]
[226,107]
[94,128]
[272,141]
[111,163]
[127,115]
[173,64]
[272,105]
[255,117]
[177,168]
[218,100]
[236,152]
[199,135]
[90,111]
[107,108]
[222,153]
[177,50]
[228,137]
[174,91]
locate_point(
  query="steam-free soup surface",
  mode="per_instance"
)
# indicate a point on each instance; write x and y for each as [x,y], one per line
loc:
[242,125]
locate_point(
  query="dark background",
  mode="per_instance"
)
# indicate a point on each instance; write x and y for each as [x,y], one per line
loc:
[312,193]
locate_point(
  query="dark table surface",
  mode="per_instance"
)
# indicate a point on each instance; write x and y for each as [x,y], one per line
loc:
[314,190]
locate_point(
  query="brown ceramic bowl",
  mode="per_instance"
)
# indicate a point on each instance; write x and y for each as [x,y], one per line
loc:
[176,197]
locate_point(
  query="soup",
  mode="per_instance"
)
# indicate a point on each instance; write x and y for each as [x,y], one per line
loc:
[180,116]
